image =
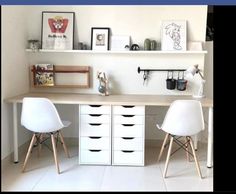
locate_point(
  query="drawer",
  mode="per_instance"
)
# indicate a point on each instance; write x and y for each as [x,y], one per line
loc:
[128,143]
[94,129]
[95,142]
[95,109]
[129,110]
[128,119]
[95,157]
[128,130]
[95,118]
[128,158]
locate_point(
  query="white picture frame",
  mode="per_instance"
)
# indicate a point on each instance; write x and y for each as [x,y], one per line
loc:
[120,43]
[57,30]
[174,35]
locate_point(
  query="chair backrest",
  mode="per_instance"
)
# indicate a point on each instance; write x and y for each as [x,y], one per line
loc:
[40,115]
[184,118]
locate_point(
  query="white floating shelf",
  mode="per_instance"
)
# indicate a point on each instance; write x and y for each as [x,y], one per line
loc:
[116,52]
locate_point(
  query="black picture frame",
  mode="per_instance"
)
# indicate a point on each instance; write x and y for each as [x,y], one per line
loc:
[57,32]
[100,38]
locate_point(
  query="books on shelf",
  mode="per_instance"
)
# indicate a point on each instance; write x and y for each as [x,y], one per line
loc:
[44,75]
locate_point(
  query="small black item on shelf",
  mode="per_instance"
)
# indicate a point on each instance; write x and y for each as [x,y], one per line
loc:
[134,47]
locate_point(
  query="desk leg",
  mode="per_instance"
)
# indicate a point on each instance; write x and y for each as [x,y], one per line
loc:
[210,138]
[15,133]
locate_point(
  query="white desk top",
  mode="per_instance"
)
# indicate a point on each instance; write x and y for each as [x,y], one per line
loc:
[73,98]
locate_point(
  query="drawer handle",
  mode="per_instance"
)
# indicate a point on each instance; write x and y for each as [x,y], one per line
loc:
[95,115]
[127,151]
[128,106]
[127,125]
[95,105]
[95,124]
[128,115]
[127,138]
[95,150]
[95,137]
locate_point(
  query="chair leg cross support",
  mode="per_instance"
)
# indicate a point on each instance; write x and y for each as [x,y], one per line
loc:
[189,142]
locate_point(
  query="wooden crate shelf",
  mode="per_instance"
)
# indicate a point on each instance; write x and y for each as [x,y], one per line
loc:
[62,69]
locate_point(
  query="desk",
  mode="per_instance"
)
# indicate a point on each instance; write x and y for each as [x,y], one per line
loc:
[145,100]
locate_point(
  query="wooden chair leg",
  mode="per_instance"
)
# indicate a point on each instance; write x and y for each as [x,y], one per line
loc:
[195,157]
[187,145]
[162,147]
[40,140]
[168,156]
[64,145]
[28,153]
[55,153]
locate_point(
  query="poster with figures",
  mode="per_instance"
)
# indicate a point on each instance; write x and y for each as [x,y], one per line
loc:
[174,35]
[57,30]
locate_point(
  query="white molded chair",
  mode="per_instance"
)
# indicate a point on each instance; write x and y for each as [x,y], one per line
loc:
[40,116]
[183,118]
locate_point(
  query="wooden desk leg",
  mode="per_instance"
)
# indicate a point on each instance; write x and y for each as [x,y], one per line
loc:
[210,138]
[15,133]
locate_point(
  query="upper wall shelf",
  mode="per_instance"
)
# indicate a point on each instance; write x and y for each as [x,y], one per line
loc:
[117,52]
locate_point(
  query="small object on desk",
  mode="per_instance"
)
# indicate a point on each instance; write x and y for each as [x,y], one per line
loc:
[147,44]
[80,46]
[103,84]
[153,45]
[34,45]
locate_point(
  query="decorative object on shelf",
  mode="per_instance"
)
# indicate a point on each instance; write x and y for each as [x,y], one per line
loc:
[34,45]
[103,84]
[120,43]
[181,82]
[80,46]
[153,45]
[170,81]
[100,38]
[44,75]
[174,35]
[58,30]
[190,72]
[147,44]
[135,47]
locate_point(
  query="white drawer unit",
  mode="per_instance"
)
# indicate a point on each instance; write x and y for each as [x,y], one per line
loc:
[95,156]
[128,130]
[128,135]
[128,143]
[95,142]
[128,110]
[95,129]
[95,109]
[128,119]
[95,134]
[95,118]
[128,157]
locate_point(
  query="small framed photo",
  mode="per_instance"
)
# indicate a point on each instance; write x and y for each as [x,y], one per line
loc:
[174,35]
[100,38]
[58,30]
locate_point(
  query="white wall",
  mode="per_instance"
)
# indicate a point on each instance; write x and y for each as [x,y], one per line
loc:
[139,22]
[14,70]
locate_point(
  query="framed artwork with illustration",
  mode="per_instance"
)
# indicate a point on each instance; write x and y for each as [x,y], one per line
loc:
[174,35]
[100,38]
[57,30]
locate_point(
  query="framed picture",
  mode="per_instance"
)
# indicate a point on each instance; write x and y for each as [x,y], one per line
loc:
[174,35]
[58,30]
[100,38]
